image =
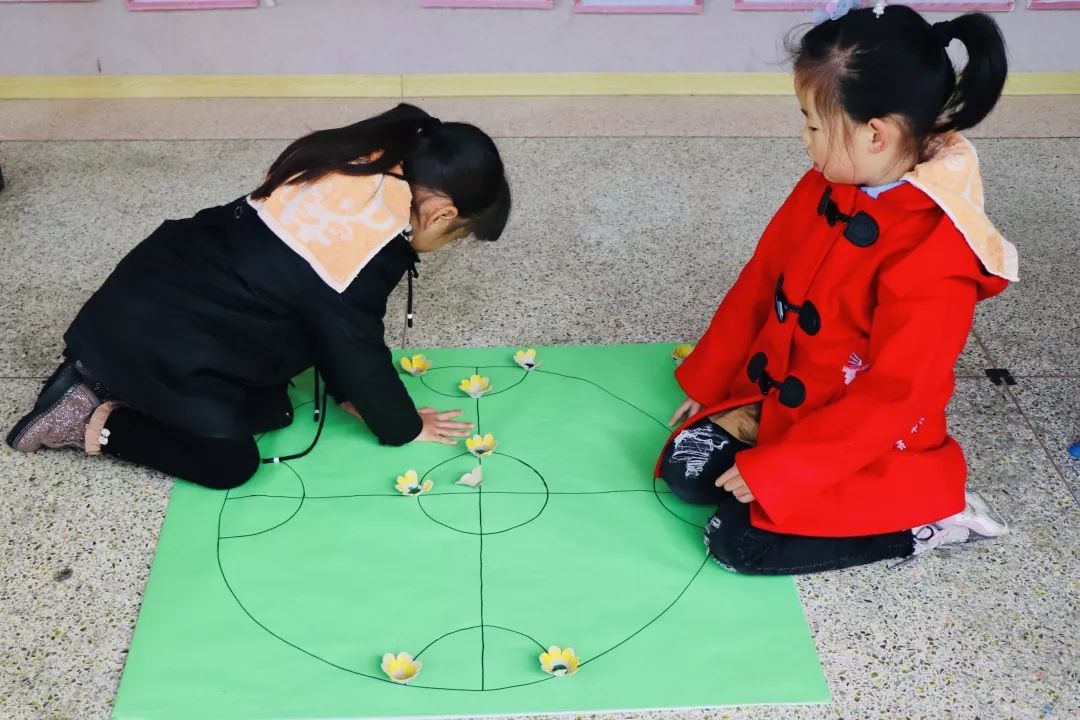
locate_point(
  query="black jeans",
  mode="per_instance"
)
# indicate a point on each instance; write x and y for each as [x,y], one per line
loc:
[703,452]
[215,463]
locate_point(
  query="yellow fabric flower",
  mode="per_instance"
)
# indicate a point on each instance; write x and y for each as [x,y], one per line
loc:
[526,358]
[409,484]
[559,662]
[481,446]
[475,386]
[416,365]
[681,352]
[401,668]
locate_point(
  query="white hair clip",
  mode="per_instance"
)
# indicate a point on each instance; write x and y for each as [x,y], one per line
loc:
[879,8]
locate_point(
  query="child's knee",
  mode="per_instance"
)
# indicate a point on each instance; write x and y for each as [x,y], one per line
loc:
[230,469]
[690,490]
[687,487]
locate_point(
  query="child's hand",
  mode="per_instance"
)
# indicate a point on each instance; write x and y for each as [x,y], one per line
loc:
[688,409]
[440,428]
[351,409]
[733,482]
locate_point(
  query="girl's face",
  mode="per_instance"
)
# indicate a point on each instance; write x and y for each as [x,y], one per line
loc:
[853,154]
[823,139]
[435,222]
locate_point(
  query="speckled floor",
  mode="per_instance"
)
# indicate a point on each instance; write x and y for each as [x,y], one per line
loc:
[628,239]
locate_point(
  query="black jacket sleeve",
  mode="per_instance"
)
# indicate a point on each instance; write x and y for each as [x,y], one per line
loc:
[357,365]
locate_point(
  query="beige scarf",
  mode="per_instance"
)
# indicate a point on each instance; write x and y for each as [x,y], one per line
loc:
[339,223]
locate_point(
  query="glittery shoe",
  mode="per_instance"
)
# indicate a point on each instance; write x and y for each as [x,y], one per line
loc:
[60,415]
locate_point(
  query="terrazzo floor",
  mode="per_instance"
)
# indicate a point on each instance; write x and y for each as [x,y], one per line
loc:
[613,239]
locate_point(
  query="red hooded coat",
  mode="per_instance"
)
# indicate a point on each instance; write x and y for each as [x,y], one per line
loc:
[877,298]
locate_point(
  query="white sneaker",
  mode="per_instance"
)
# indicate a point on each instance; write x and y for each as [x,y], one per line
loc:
[984,519]
[977,521]
[939,534]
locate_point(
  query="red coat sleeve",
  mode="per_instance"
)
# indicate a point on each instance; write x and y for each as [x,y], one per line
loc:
[723,350]
[918,330]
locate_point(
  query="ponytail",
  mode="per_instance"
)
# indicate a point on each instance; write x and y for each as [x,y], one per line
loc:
[979,85]
[895,64]
[370,147]
[456,160]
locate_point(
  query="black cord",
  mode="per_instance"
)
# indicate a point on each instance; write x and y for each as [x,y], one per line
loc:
[320,415]
[410,273]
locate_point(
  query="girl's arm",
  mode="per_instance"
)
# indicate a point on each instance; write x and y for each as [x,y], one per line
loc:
[706,374]
[723,350]
[357,364]
[918,330]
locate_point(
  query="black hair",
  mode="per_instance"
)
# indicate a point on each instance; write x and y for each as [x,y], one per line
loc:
[896,64]
[454,159]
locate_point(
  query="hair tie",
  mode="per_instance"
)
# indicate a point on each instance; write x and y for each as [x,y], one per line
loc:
[833,10]
[836,9]
[943,32]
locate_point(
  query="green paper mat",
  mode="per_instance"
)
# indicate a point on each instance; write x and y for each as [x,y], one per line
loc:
[279,599]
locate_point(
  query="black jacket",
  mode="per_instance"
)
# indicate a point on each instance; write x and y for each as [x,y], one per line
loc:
[204,323]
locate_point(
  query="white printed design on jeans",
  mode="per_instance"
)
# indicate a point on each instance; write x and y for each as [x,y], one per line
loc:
[693,447]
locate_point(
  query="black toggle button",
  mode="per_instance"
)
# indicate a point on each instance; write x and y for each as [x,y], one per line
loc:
[861,229]
[791,392]
[809,317]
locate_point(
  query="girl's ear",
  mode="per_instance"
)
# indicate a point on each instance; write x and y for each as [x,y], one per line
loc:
[436,210]
[882,135]
[447,215]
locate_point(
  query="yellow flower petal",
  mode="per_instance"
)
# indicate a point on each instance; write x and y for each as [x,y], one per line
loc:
[682,351]
[560,661]
[416,365]
[409,484]
[401,668]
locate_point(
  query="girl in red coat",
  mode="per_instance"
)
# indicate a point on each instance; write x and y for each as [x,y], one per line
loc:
[815,411]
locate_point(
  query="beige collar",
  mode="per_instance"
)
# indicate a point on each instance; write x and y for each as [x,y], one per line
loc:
[951,178]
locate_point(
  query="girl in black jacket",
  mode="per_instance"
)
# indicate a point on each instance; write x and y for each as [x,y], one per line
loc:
[187,349]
